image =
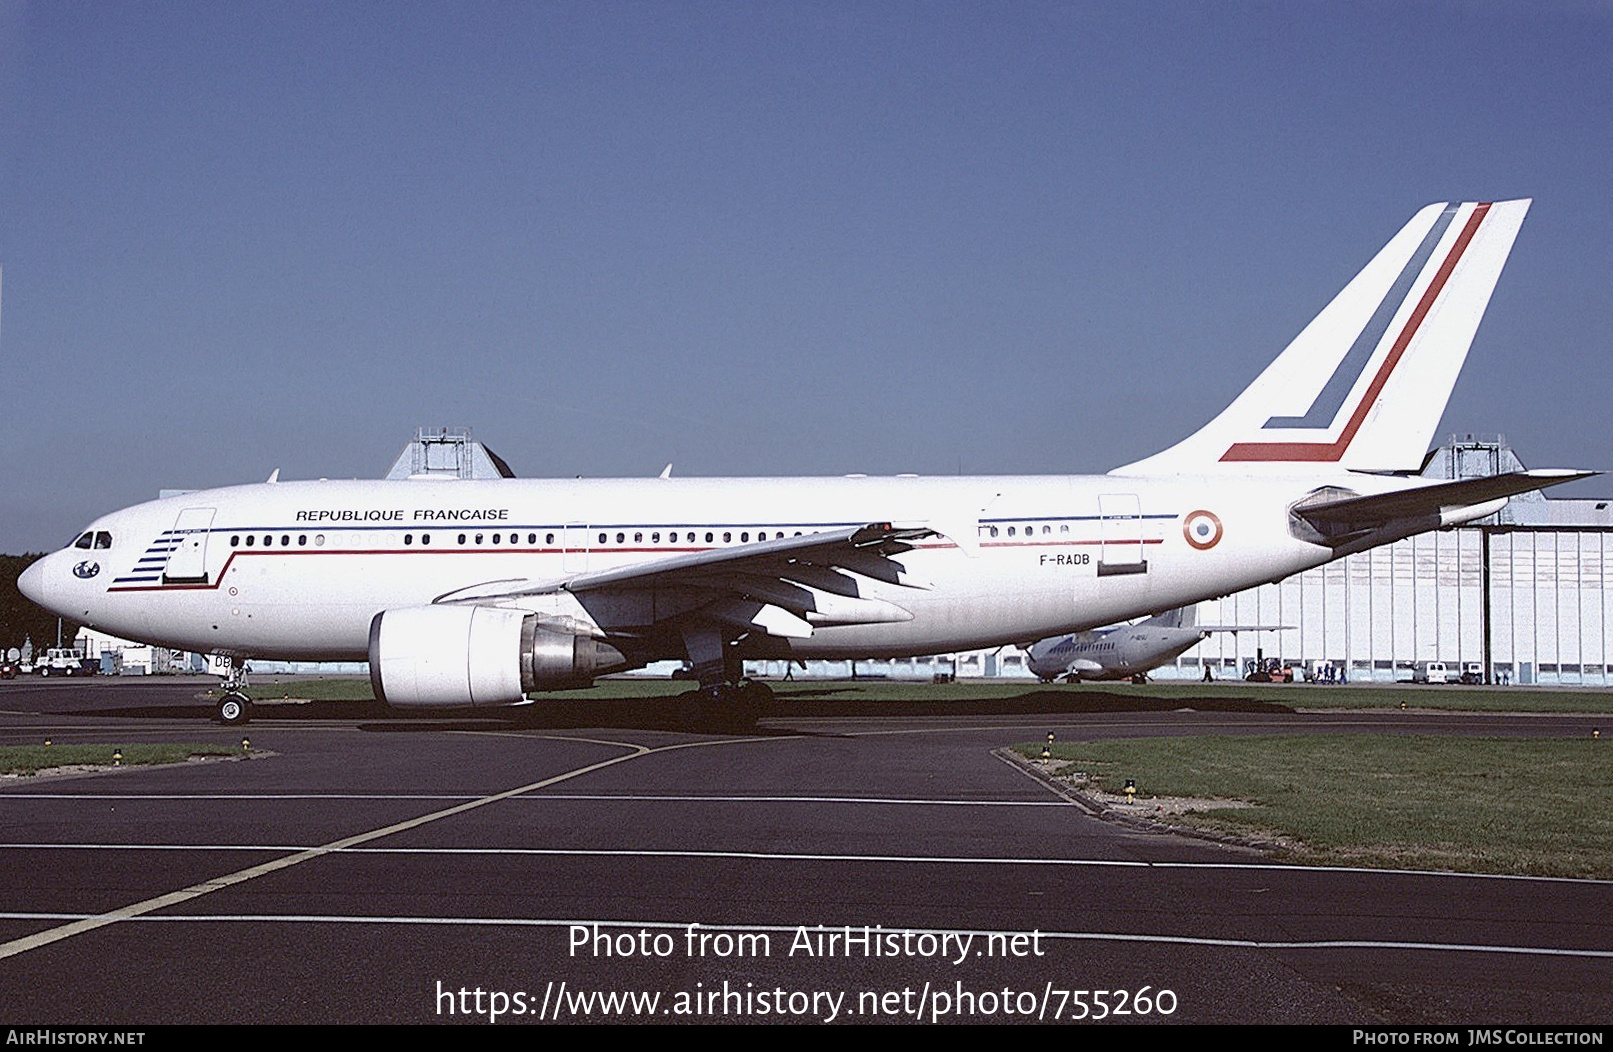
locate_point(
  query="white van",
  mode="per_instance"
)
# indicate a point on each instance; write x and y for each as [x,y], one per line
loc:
[1430,672]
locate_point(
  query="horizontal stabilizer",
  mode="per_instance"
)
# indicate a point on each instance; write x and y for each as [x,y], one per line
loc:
[1342,519]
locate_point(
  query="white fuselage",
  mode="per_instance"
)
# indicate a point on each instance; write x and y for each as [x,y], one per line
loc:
[298,570]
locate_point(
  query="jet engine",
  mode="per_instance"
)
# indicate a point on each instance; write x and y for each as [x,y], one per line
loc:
[451,656]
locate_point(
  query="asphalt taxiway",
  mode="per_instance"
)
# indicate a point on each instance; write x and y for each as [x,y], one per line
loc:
[838,863]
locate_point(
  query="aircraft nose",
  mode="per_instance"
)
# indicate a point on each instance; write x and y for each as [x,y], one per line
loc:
[32,583]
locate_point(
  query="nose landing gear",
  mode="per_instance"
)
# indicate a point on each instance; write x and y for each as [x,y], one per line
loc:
[234,708]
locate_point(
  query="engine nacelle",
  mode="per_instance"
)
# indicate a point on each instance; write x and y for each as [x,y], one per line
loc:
[452,656]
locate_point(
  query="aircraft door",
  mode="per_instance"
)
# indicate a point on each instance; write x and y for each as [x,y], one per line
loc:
[1120,535]
[187,562]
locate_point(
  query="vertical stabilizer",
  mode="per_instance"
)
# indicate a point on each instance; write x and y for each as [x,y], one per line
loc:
[1180,617]
[1363,386]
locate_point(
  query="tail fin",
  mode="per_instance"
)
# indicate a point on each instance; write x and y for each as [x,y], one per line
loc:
[1180,617]
[1364,385]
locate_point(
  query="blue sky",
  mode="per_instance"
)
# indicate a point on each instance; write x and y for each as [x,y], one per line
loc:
[808,238]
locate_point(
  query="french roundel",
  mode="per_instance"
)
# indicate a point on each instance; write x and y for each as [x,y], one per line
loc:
[1202,529]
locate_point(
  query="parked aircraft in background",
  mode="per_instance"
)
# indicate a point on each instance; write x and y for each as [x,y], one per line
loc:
[1125,651]
[479,593]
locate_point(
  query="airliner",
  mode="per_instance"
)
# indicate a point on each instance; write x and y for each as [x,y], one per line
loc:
[1124,651]
[481,593]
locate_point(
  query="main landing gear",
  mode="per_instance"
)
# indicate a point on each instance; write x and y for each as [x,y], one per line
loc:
[234,708]
[725,700]
[725,706]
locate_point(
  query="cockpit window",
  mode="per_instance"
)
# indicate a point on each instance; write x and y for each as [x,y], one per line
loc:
[84,540]
[103,539]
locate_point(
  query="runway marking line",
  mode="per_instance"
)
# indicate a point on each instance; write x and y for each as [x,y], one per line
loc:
[353,848]
[892,801]
[207,887]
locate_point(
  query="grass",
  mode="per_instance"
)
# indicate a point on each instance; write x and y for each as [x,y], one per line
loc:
[31,759]
[1528,806]
[1153,695]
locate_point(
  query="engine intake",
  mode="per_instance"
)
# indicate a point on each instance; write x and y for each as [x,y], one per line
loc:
[454,656]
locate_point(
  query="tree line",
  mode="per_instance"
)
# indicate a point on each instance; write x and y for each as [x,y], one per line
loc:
[20,617]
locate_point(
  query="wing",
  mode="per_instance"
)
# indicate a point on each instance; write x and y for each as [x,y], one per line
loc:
[784,586]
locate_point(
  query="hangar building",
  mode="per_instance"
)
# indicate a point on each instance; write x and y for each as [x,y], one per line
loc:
[1524,593]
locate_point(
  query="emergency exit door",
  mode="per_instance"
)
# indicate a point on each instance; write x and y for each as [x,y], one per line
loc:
[1120,535]
[187,563]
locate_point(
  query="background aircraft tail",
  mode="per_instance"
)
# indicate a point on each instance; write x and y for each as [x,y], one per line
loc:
[1181,617]
[1364,385]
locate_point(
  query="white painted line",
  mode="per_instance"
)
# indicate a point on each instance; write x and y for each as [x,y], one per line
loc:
[136,797]
[632,797]
[879,801]
[350,847]
[137,909]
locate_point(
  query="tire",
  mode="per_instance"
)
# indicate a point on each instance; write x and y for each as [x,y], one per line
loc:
[234,710]
[692,706]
